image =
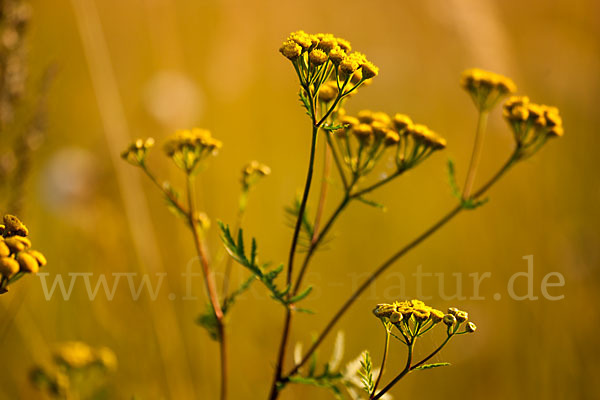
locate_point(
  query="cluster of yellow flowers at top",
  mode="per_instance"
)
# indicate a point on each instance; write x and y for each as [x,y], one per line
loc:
[375,132]
[486,87]
[187,148]
[414,318]
[325,65]
[532,124]
[16,256]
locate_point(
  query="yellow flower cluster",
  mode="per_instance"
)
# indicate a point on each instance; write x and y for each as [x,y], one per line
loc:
[485,87]
[16,256]
[136,153]
[374,132]
[78,355]
[187,148]
[252,172]
[73,363]
[413,317]
[532,124]
[326,66]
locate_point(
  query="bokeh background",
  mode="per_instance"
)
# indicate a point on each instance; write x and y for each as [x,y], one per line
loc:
[137,68]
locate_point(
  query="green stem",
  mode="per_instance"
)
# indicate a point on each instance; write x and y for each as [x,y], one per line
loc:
[377,184]
[476,155]
[315,243]
[337,161]
[274,393]
[302,205]
[209,280]
[385,353]
[401,375]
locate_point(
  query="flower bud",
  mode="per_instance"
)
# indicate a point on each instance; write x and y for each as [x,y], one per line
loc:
[395,317]
[4,250]
[369,70]
[39,257]
[449,320]
[462,316]
[28,263]
[471,327]
[8,267]
[291,50]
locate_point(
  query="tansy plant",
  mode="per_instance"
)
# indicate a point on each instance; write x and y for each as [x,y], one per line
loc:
[329,73]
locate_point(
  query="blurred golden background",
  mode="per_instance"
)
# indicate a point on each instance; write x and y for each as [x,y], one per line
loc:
[129,69]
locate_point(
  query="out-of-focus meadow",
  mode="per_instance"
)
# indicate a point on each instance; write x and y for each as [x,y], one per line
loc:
[128,69]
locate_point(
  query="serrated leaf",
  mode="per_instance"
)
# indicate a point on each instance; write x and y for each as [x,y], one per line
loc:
[467,204]
[332,128]
[306,227]
[366,373]
[452,180]
[304,310]
[430,366]
[371,203]
[472,204]
[237,251]
[301,296]
[305,103]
